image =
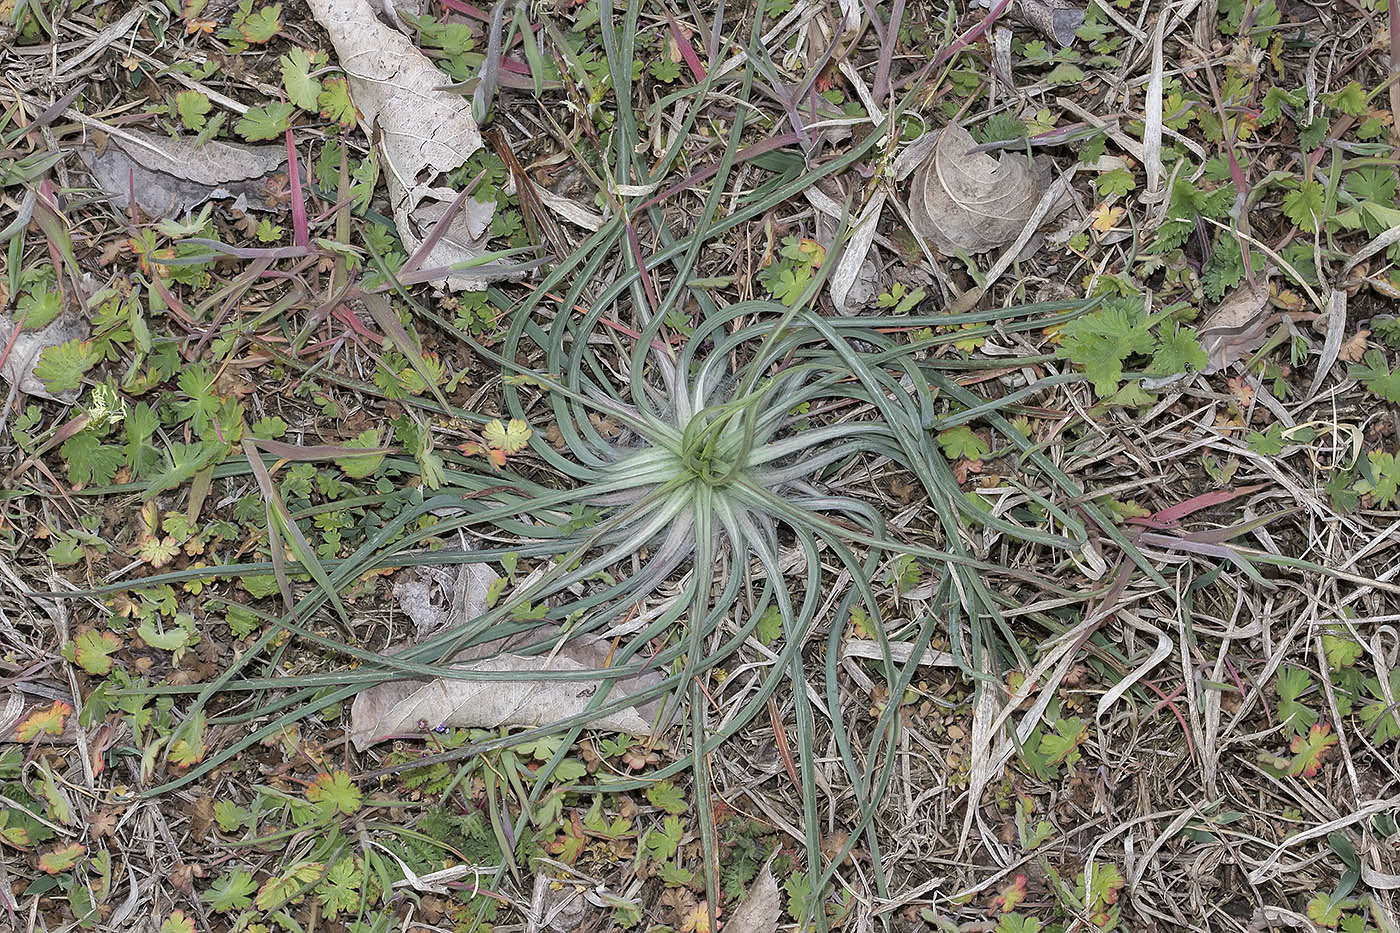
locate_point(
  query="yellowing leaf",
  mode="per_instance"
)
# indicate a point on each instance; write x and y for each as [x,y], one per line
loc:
[278,891]
[92,651]
[1106,218]
[697,919]
[334,791]
[61,858]
[47,721]
[188,746]
[158,551]
[507,438]
[177,922]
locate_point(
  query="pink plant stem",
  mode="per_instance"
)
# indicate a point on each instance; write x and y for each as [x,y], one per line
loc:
[972,35]
[301,231]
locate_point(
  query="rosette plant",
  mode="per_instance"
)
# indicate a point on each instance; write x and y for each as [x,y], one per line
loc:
[744,471]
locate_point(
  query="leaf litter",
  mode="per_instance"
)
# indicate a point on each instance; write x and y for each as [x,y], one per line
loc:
[402,707]
[168,177]
[963,200]
[420,132]
[1190,730]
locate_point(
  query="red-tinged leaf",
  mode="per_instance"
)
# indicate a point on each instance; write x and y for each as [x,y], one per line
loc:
[571,840]
[335,103]
[313,452]
[1309,750]
[187,748]
[47,721]
[301,230]
[17,836]
[692,60]
[1011,896]
[1172,515]
[93,650]
[61,858]
[178,922]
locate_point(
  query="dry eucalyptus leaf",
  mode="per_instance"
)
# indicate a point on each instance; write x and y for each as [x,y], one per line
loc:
[972,201]
[759,911]
[168,176]
[421,132]
[440,596]
[399,707]
[560,907]
[1332,345]
[1055,19]
[1239,326]
[571,210]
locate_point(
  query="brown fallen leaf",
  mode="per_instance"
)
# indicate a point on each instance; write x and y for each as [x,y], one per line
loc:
[421,132]
[1354,347]
[439,595]
[1054,19]
[17,367]
[759,911]
[166,176]
[972,201]
[1239,326]
[401,707]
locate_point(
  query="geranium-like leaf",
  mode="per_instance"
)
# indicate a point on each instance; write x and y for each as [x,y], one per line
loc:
[47,721]
[334,791]
[509,438]
[335,103]
[93,650]
[1309,750]
[61,858]
[178,922]
[261,25]
[301,88]
[188,745]
[268,122]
